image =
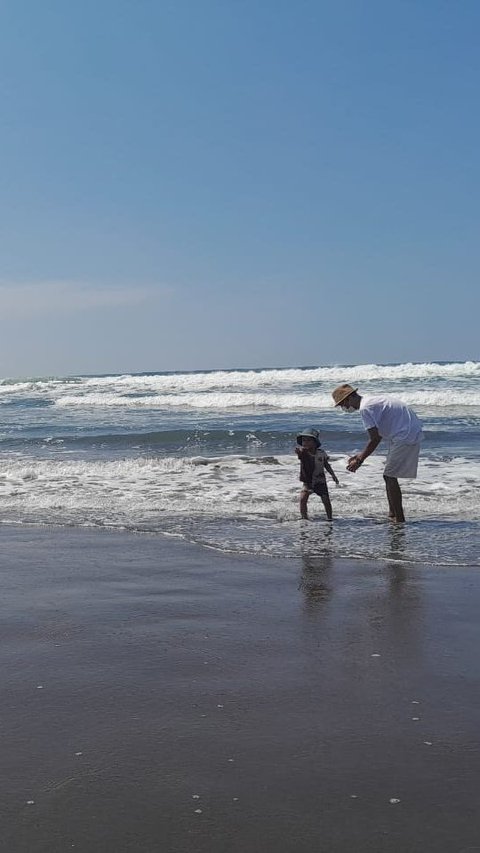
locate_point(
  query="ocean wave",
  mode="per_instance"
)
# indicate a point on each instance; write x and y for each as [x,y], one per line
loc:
[276,378]
[337,434]
[165,383]
[222,401]
[160,439]
[9,386]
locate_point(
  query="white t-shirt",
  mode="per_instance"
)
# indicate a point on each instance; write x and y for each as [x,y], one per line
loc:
[393,419]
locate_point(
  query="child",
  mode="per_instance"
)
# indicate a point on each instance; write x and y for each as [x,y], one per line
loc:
[313,463]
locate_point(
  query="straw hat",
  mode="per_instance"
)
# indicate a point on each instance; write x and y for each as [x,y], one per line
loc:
[342,392]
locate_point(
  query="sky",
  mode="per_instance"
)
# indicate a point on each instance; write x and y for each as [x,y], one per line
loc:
[237,183]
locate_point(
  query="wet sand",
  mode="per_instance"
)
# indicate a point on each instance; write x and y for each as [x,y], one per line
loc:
[161,697]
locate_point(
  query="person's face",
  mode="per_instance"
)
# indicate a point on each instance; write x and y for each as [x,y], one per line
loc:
[309,444]
[346,404]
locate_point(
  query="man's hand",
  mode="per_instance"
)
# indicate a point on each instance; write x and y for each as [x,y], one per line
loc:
[354,463]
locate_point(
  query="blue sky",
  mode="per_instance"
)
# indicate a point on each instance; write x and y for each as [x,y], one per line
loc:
[237,183]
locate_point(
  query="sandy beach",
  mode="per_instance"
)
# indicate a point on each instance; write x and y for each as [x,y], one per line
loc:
[157,696]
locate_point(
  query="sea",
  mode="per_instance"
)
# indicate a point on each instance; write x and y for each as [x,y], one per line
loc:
[209,456]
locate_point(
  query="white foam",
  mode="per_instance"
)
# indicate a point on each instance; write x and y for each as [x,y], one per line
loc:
[223,401]
[208,400]
[229,501]
[251,379]
[222,379]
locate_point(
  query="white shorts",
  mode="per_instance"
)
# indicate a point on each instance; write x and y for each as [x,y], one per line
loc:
[402,460]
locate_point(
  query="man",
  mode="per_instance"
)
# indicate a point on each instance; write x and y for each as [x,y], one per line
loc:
[385,417]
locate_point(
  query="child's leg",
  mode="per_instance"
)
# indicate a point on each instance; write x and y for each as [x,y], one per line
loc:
[304,496]
[327,505]
[321,489]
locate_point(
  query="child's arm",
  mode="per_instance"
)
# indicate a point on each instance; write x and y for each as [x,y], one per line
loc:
[330,470]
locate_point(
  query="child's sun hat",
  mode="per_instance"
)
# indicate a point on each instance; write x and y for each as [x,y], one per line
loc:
[309,433]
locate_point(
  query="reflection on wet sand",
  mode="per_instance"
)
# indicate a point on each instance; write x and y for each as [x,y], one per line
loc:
[390,589]
[398,542]
[314,579]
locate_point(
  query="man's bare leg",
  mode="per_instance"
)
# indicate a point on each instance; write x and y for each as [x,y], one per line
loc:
[391,509]
[394,497]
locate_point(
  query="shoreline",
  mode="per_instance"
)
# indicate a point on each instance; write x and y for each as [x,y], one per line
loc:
[397,555]
[147,678]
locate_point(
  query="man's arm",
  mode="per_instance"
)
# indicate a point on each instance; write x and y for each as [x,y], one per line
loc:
[355,461]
